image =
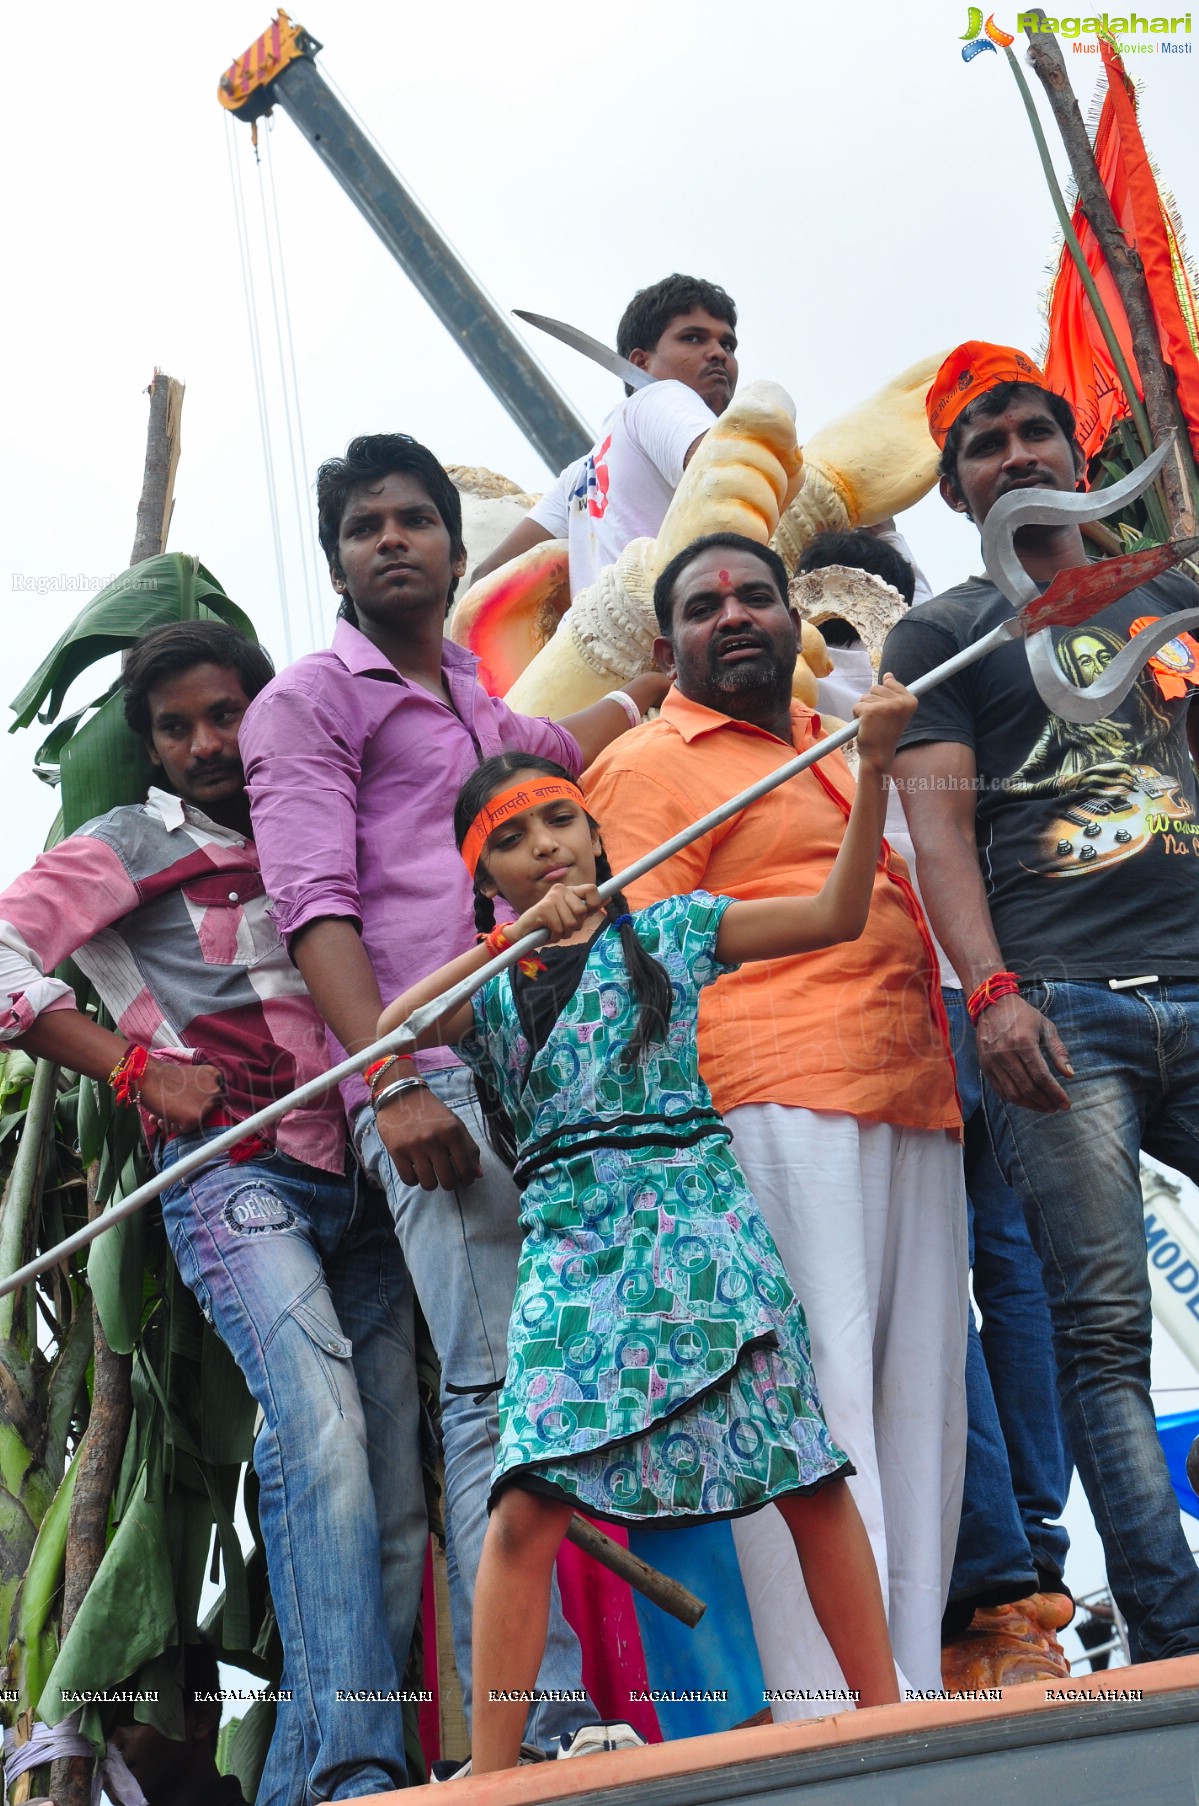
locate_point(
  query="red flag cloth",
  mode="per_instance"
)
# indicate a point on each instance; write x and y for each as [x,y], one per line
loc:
[1078,365]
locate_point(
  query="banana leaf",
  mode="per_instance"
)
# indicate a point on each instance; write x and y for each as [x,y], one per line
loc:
[127,1615]
[116,1275]
[172,587]
[32,1649]
[246,1753]
[103,766]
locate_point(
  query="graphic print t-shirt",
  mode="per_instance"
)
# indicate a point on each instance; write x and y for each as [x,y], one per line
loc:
[1088,835]
[623,487]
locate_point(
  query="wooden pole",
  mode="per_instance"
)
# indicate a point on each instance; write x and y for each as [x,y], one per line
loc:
[671,1595]
[162,459]
[1128,272]
[112,1400]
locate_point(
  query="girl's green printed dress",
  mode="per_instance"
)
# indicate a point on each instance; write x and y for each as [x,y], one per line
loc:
[658,1360]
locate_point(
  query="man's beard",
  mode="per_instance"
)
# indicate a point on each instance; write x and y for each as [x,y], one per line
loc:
[772,678]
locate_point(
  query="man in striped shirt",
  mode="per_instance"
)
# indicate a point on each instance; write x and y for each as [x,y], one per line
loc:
[295,1264]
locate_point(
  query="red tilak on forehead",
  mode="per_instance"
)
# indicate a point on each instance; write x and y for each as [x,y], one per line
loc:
[724,576]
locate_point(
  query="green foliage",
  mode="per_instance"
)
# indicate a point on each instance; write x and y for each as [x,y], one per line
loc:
[99,763]
[128,1613]
[172,587]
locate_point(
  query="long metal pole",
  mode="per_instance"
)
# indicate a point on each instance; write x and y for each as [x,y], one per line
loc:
[498,353]
[404,1038]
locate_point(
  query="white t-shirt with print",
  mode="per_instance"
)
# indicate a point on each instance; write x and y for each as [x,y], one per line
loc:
[623,487]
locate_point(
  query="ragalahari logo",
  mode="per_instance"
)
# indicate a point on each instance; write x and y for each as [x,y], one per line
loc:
[1130,33]
[973,40]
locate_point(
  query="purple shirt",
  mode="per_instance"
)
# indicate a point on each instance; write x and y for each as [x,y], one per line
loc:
[353,772]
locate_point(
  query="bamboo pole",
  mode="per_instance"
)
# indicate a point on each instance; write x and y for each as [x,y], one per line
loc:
[1128,272]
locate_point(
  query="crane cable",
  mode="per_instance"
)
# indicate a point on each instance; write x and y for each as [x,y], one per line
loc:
[290,383]
[264,426]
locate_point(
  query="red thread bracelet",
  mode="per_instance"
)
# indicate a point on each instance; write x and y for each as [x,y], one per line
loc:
[498,942]
[378,1067]
[126,1076]
[999,984]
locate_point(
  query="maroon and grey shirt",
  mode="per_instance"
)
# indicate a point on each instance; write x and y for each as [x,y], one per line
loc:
[165,912]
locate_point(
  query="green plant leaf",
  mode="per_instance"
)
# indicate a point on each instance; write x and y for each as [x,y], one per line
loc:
[32,1649]
[127,1615]
[115,1273]
[172,587]
[47,760]
[103,765]
[95,1113]
[247,1750]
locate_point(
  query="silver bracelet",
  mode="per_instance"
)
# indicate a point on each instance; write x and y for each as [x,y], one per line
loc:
[627,704]
[389,1092]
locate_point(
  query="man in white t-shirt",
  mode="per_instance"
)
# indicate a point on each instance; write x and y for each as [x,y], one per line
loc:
[683,331]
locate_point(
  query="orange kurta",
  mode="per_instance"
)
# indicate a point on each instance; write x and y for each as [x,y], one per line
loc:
[855,1028]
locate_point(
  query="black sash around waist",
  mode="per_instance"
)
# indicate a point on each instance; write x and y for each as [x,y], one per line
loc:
[649,1131]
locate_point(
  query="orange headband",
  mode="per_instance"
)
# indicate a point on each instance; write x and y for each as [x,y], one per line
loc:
[969,372]
[506,804]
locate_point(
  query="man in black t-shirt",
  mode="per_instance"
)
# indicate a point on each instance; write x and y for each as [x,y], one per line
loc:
[1062,856]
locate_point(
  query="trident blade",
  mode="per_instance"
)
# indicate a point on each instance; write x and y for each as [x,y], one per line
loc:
[1053,508]
[1074,596]
[1077,594]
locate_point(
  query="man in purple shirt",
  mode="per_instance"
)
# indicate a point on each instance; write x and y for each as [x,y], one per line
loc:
[354,757]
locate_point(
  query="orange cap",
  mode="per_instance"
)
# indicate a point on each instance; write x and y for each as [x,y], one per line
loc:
[969,372]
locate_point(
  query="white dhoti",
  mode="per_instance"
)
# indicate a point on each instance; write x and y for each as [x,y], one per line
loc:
[870,1220]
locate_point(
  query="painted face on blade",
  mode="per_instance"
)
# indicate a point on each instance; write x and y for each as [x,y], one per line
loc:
[195,719]
[1022,448]
[553,843]
[394,551]
[733,634]
[697,349]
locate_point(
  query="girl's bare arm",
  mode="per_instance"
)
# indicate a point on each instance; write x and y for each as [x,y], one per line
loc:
[778,926]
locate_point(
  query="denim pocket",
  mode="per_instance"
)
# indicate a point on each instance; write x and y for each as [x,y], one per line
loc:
[332,1348]
[328,1339]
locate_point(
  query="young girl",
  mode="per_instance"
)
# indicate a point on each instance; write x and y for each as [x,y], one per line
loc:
[658,1360]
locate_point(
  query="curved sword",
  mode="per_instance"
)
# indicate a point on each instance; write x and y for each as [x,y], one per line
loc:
[610,360]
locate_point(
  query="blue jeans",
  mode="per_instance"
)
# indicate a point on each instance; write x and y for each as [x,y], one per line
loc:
[1017,1467]
[299,1273]
[1136,1085]
[462,1249]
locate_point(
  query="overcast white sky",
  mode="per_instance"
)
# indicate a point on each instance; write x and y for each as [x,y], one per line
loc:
[865,196]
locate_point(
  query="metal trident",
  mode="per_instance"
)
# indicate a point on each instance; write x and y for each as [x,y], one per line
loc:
[1111,578]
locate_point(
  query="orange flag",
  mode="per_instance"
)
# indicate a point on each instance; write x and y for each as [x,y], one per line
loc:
[1078,364]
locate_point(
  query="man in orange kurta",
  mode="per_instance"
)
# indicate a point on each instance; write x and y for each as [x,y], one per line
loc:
[834,1073]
